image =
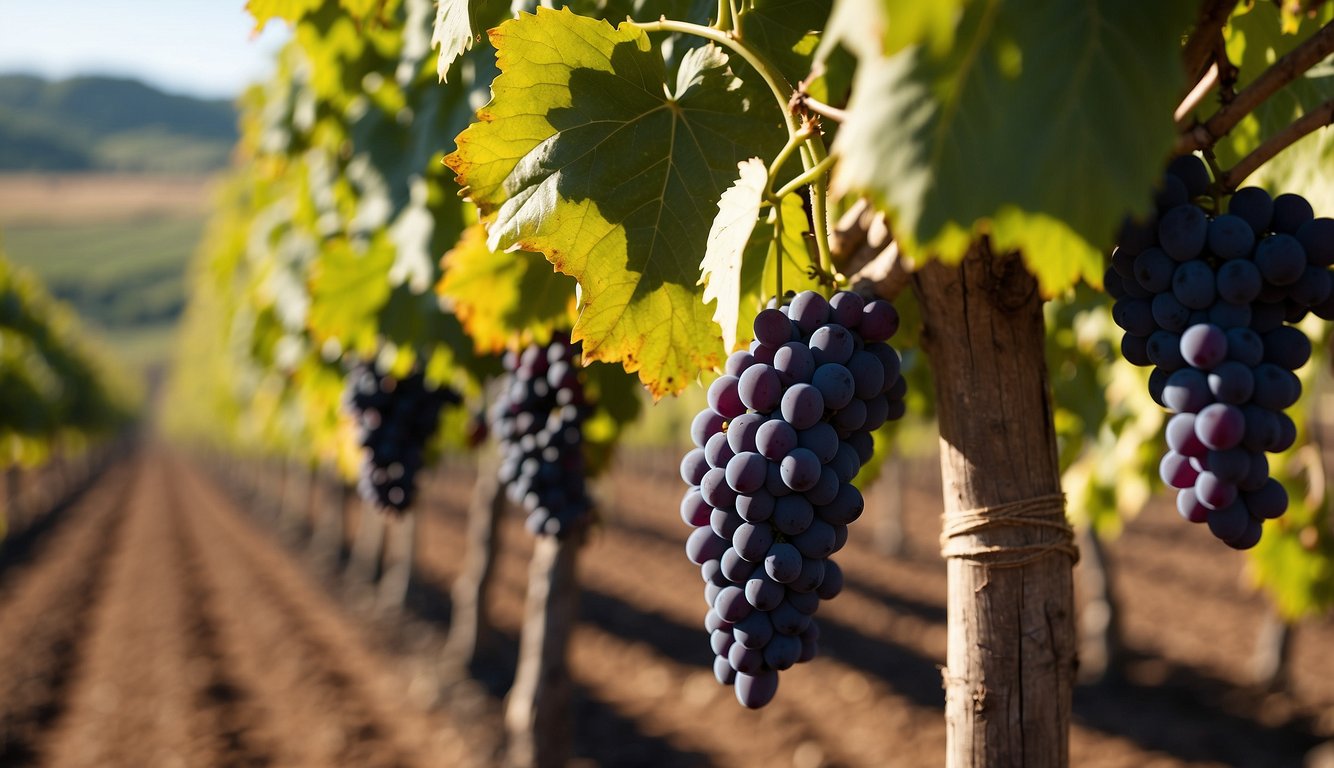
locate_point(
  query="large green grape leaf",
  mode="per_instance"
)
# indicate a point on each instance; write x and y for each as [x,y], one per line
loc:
[787,32]
[1047,122]
[506,298]
[876,28]
[591,155]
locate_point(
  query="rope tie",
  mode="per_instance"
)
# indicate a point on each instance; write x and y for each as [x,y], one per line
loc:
[1044,512]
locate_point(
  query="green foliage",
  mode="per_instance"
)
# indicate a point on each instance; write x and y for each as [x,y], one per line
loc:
[1255,39]
[1108,429]
[504,300]
[591,154]
[1039,124]
[54,384]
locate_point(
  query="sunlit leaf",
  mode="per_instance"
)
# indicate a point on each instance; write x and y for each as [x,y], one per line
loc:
[1061,113]
[591,154]
[720,270]
[504,299]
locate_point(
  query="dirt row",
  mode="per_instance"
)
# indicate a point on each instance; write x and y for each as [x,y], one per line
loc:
[162,621]
[157,627]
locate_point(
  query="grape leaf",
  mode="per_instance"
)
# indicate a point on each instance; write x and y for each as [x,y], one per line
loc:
[758,271]
[877,28]
[460,23]
[720,270]
[347,290]
[590,155]
[504,299]
[786,32]
[1036,116]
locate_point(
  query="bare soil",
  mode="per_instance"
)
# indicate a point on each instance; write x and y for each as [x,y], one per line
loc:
[81,198]
[162,621]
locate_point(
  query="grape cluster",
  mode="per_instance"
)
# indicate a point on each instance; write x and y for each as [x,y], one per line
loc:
[539,419]
[1209,300]
[395,418]
[787,427]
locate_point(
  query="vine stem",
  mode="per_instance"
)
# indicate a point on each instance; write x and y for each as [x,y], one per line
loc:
[1317,118]
[778,254]
[824,110]
[794,143]
[811,176]
[724,21]
[1195,54]
[1280,73]
[812,151]
[1193,99]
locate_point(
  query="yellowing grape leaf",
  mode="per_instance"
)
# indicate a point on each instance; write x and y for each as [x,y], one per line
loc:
[504,299]
[720,271]
[1060,112]
[347,291]
[590,154]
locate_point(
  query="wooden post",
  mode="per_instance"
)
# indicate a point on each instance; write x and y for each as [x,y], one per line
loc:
[1011,638]
[1273,652]
[537,710]
[326,544]
[469,624]
[6,501]
[887,535]
[364,567]
[1100,648]
[399,555]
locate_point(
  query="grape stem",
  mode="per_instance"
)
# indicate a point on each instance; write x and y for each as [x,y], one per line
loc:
[794,143]
[778,254]
[1184,110]
[812,150]
[1291,66]
[811,176]
[813,104]
[1319,117]
[1196,52]
[724,21]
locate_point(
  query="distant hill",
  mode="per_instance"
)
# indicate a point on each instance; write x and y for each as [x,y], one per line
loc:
[96,123]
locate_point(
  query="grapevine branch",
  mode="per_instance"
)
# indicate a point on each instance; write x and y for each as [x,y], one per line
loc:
[1282,72]
[820,108]
[1317,118]
[1213,15]
[1193,99]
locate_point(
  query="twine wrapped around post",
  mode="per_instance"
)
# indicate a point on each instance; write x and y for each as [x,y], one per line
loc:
[960,533]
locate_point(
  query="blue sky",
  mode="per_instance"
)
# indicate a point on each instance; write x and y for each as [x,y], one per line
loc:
[198,47]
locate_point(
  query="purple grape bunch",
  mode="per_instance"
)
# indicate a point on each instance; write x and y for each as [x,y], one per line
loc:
[395,418]
[787,427]
[1209,301]
[539,421]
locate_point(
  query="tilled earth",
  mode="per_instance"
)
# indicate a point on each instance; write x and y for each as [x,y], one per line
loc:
[160,620]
